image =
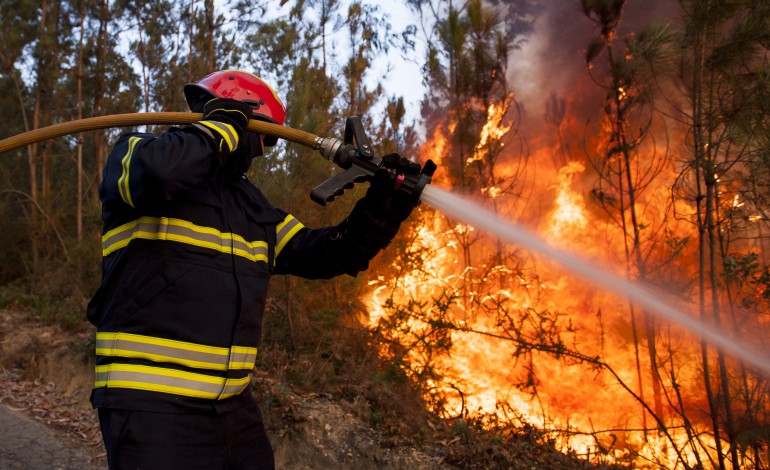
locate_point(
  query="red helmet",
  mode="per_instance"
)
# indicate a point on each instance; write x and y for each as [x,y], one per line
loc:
[241,86]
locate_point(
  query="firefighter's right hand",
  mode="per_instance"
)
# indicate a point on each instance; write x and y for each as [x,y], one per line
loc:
[383,199]
[225,122]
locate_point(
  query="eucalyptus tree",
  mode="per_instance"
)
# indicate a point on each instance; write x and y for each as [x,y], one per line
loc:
[471,119]
[19,29]
[37,35]
[111,84]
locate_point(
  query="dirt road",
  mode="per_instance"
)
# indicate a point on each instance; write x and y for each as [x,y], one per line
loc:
[26,444]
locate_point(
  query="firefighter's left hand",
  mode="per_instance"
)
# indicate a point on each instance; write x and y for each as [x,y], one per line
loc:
[383,200]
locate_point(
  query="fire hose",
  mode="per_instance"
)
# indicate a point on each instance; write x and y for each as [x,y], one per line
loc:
[354,154]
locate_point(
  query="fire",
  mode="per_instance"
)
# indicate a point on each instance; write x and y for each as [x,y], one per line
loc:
[523,335]
[492,130]
[435,150]
[568,215]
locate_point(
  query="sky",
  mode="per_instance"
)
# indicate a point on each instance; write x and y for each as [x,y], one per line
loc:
[402,75]
[404,78]
[550,60]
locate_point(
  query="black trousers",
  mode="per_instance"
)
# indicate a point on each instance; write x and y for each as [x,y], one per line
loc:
[207,441]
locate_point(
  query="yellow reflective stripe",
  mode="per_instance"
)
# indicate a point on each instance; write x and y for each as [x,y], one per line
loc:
[182,231]
[235,386]
[226,131]
[285,231]
[242,357]
[201,356]
[123,188]
[163,350]
[164,380]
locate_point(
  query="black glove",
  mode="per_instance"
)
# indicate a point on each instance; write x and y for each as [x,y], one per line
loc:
[219,111]
[377,216]
[383,200]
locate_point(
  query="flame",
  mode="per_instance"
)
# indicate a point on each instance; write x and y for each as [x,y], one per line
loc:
[569,214]
[463,330]
[493,130]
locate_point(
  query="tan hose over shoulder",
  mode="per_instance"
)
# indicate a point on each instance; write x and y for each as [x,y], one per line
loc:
[140,119]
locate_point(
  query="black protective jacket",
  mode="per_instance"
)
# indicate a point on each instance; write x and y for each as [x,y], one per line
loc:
[187,258]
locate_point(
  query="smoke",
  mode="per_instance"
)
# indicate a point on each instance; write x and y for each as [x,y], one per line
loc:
[551,62]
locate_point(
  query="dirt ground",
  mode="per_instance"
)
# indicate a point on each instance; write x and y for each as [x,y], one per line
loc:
[45,381]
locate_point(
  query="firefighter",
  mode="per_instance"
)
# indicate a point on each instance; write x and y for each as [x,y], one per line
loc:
[189,245]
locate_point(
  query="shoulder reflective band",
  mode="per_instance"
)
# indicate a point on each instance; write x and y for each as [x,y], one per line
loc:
[155,349]
[123,188]
[159,379]
[226,133]
[285,230]
[182,231]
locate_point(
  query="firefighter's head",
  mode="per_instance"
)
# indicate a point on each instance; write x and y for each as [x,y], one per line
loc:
[241,86]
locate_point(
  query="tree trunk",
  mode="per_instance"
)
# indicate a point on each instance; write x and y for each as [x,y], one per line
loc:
[99,107]
[34,155]
[699,142]
[210,17]
[79,206]
[711,227]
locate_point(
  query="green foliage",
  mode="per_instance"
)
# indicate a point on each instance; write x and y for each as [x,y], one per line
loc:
[58,295]
[375,418]
[15,297]
[595,47]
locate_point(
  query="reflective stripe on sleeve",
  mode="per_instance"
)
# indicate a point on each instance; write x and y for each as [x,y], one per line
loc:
[225,131]
[285,231]
[123,187]
[182,231]
[164,380]
[175,352]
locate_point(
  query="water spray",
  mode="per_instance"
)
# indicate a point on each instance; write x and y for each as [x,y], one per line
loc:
[457,207]
[356,156]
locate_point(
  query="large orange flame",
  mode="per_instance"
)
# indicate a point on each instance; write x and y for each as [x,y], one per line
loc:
[477,319]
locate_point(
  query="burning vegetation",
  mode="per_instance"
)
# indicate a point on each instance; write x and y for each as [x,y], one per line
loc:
[496,335]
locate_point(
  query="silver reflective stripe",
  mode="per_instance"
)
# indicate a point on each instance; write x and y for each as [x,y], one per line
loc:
[242,358]
[161,350]
[164,380]
[285,231]
[226,131]
[200,356]
[182,231]
[205,130]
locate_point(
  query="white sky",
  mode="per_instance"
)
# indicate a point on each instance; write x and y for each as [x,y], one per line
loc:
[405,78]
[399,76]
